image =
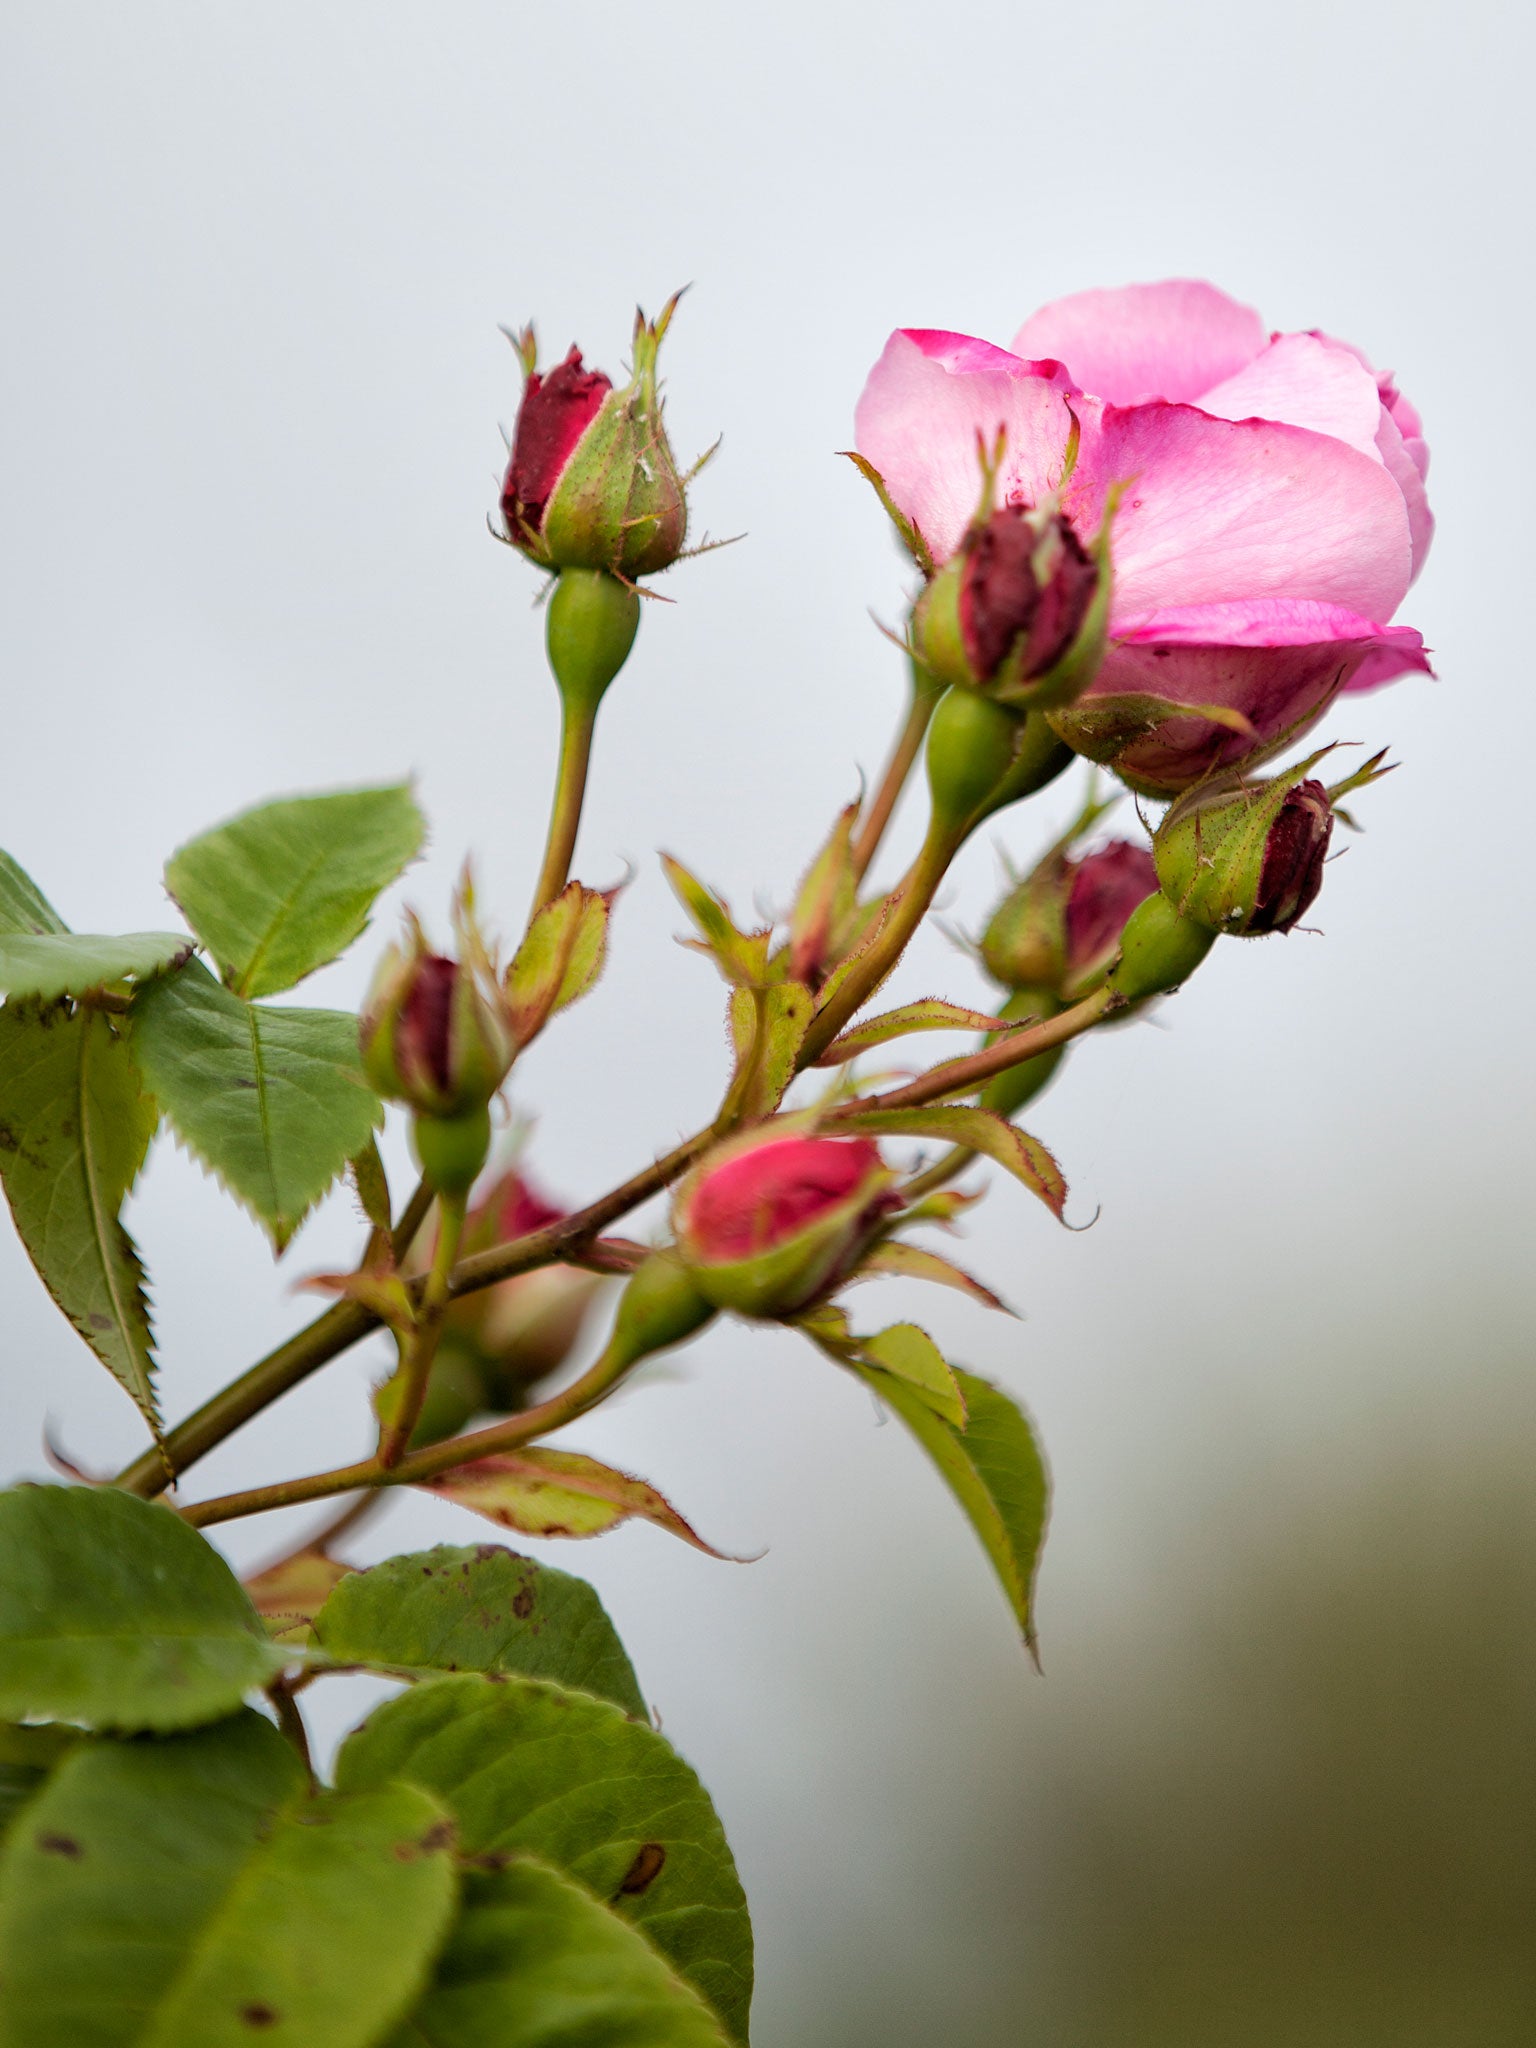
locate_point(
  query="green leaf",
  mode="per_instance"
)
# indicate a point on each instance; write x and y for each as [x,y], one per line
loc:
[978,1129]
[480,1608]
[27,1756]
[994,1469]
[23,906]
[529,1767]
[536,1961]
[930,1014]
[116,1614]
[272,1101]
[75,1125]
[911,537]
[18,1782]
[328,1932]
[52,964]
[558,1493]
[742,957]
[768,1027]
[911,1355]
[115,1867]
[560,959]
[916,1262]
[165,1894]
[280,890]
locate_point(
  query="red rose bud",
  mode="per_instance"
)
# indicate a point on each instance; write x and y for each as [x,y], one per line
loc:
[1060,928]
[435,1032]
[1249,861]
[773,1222]
[1012,612]
[525,1327]
[591,483]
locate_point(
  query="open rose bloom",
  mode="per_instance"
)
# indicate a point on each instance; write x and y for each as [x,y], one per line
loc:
[1271,517]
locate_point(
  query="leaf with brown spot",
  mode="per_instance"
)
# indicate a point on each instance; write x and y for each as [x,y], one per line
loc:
[477,1608]
[558,1493]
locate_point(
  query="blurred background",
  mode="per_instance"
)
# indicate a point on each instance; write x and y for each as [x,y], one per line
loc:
[1277,1783]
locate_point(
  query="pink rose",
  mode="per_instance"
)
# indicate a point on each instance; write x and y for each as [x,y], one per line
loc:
[1273,515]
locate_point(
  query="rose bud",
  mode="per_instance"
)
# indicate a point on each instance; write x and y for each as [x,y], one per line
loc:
[1012,612]
[436,1034]
[591,483]
[1249,861]
[773,1222]
[1060,928]
[523,1328]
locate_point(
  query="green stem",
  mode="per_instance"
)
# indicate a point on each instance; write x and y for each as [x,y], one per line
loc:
[595,1383]
[346,1322]
[965,1076]
[898,768]
[577,724]
[908,910]
[290,1720]
[416,1366]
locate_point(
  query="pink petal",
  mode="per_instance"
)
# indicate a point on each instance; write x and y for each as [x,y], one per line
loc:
[1306,382]
[1309,381]
[1280,664]
[929,397]
[1170,340]
[1217,510]
[1271,622]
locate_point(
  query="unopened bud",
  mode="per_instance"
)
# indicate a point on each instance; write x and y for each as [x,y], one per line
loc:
[1247,862]
[436,1034]
[773,1222]
[591,483]
[525,1327]
[1060,927]
[1009,607]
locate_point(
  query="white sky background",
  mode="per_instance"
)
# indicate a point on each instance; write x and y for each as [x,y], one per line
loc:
[254,262]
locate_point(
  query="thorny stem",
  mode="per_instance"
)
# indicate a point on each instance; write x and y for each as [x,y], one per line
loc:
[341,1326]
[576,729]
[412,1217]
[584,1393]
[909,740]
[909,908]
[346,1322]
[416,1366]
[965,1076]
